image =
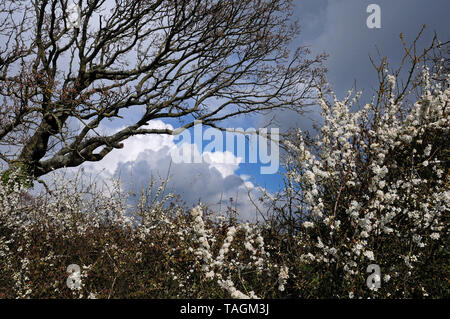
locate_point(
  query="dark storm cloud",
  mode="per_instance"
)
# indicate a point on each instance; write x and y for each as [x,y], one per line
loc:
[338,27]
[350,42]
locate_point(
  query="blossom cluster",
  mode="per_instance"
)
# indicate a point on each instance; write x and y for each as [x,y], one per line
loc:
[372,185]
[227,261]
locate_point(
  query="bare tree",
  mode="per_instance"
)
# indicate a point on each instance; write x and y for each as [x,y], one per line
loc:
[61,77]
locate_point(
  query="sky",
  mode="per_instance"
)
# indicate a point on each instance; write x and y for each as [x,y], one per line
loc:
[337,27]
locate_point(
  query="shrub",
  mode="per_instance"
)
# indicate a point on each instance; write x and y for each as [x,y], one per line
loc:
[372,188]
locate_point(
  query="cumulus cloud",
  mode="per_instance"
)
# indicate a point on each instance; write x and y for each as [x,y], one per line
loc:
[213,181]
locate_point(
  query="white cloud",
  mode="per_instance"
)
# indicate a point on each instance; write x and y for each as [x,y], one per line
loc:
[213,181]
[225,162]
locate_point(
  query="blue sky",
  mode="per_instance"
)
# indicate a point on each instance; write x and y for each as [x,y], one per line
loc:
[337,27]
